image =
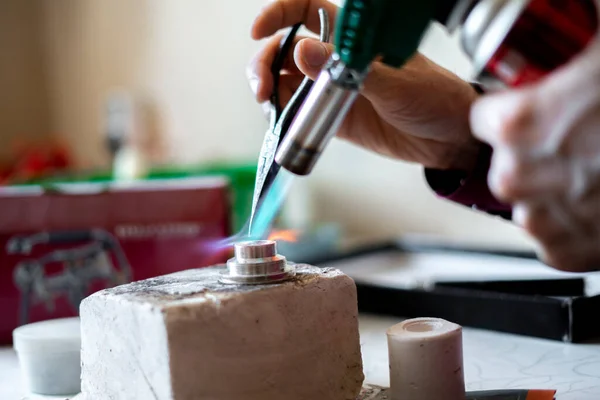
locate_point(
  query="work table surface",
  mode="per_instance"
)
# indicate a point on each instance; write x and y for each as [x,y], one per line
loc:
[492,361]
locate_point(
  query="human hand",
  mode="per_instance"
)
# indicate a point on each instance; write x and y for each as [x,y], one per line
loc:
[418,113]
[546,161]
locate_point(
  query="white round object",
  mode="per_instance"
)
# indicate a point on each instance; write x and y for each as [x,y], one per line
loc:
[49,355]
[426,360]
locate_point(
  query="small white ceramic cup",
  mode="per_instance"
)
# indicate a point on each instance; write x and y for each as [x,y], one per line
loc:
[49,355]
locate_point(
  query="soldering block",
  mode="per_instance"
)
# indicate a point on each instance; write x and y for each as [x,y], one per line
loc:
[186,336]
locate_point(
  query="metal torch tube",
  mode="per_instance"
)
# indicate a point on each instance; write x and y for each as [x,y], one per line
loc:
[319,118]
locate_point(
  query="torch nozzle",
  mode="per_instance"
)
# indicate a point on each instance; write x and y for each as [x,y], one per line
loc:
[320,117]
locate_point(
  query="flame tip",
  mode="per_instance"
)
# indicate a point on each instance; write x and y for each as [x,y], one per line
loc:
[285,235]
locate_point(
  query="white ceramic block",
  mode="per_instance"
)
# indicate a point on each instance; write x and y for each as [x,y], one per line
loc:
[186,336]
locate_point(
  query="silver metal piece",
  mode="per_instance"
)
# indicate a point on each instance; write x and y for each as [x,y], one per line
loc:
[324,21]
[458,14]
[320,117]
[257,263]
[476,23]
[486,27]
[265,160]
[272,136]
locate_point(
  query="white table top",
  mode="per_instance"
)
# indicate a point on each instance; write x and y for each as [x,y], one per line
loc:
[495,360]
[492,361]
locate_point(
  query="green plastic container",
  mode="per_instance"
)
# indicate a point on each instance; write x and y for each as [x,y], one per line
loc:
[241,177]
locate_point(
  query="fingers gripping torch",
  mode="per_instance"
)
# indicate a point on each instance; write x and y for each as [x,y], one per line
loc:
[510,42]
[365,30]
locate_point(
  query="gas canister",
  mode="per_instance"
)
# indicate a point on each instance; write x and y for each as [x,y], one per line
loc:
[515,42]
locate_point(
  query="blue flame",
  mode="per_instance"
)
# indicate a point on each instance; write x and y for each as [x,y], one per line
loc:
[270,206]
[264,216]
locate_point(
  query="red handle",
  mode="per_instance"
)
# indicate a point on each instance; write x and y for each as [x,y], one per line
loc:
[547,35]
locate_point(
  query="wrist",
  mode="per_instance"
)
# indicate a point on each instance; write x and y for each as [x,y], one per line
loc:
[469,188]
[449,177]
[466,155]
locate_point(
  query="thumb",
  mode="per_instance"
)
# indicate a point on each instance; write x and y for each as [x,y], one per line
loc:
[310,55]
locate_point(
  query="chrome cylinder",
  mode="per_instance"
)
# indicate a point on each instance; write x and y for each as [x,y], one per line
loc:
[257,262]
[319,118]
[486,27]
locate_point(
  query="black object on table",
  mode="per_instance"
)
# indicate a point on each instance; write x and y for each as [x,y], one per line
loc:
[556,309]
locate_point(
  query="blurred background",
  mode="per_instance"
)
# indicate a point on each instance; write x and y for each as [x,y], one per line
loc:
[71,70]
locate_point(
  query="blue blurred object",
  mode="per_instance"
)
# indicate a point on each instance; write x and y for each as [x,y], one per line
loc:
[313,244]
[269,208]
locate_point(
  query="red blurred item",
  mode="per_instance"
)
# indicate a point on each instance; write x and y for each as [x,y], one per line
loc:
[546,35]
[35,161]
[58,247]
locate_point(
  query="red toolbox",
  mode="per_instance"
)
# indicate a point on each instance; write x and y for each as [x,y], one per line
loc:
[57,246]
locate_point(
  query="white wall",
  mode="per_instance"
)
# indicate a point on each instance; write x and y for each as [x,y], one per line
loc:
[189,56]
[24,113]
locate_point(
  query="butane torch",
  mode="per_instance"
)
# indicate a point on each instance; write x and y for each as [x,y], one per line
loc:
[510,42]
